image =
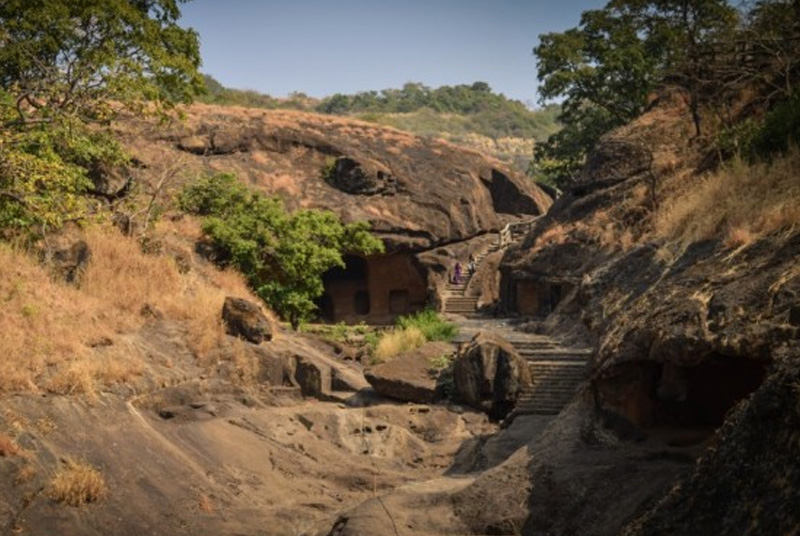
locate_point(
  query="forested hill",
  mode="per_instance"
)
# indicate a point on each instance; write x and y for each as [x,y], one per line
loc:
[471,115]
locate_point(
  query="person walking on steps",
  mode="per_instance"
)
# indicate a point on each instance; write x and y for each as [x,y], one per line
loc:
[471,265]
[457,274]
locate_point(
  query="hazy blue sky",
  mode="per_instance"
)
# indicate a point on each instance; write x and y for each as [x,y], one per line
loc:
[323,47]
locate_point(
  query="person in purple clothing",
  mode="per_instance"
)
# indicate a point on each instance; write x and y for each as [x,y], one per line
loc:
[457,274]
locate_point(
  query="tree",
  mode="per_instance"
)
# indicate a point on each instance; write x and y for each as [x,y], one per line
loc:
[283,256]
[65,66]
[604,69]
[83,57]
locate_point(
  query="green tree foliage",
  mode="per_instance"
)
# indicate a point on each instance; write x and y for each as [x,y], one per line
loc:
[603,70]
[430,324]
[65,68]
[283,256]
[488,113]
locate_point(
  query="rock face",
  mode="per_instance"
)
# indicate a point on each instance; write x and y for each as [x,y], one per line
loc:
[688,337]
[733,490]
[408,377]
[67,255]
[245,319]
[422,193]
[489,374]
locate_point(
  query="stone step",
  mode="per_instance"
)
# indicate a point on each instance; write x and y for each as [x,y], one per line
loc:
[555,351]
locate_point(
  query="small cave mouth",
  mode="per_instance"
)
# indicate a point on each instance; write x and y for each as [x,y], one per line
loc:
[682,405]
[703,394]
[346,290]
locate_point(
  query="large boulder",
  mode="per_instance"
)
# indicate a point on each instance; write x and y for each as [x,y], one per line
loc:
[244,319]
[489,374]
[408,377]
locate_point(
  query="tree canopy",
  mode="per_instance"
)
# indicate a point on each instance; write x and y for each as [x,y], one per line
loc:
[283,255]
[65,66]
[604,69]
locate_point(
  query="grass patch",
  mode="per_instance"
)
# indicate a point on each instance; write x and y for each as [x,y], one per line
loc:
[739,204]
[77,483]
[398,342]
[440,362]
[410,333]
[49,330]
[430,324]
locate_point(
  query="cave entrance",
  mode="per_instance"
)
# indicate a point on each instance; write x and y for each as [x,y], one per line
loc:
[680,405]
[374,290]
[346,291]
[538,297]
[702,395]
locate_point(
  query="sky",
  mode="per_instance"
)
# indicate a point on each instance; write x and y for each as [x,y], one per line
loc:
[322,47]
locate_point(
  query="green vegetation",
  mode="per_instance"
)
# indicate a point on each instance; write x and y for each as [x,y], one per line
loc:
[440,362]
[430,324]
[66,70]
[603,70]
[282,255]
[481,110]
[411,332]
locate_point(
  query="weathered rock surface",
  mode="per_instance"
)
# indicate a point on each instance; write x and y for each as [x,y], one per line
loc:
[246,320]
[409,377]
[489,374]
[750,481]
[421,193]
[67,255]
[683,335]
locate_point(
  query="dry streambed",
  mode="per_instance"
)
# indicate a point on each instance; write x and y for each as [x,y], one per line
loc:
[206,461]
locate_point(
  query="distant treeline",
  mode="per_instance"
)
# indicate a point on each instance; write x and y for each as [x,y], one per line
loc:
[491,114]
[415,107]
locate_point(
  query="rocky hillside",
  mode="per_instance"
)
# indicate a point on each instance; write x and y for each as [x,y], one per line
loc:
[684,276]
[144,389]
[416,194]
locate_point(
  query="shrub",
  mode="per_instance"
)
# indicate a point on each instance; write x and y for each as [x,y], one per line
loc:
[77,483]
[398,342]
[430,324]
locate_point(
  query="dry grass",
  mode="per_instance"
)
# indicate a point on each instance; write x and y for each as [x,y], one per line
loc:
[49,330]
[77,483]
[554,236]
[42,323]
[738,204]
[398,342]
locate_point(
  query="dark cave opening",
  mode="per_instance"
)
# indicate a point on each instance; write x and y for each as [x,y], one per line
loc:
[676,404]
[703,394]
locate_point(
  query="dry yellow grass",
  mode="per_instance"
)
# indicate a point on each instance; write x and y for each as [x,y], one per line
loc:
[49,330]
[398,342]
[77,483]
[738,204]
[42,323]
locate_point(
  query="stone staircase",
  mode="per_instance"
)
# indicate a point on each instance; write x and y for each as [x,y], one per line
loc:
[556,371]
[456,300]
